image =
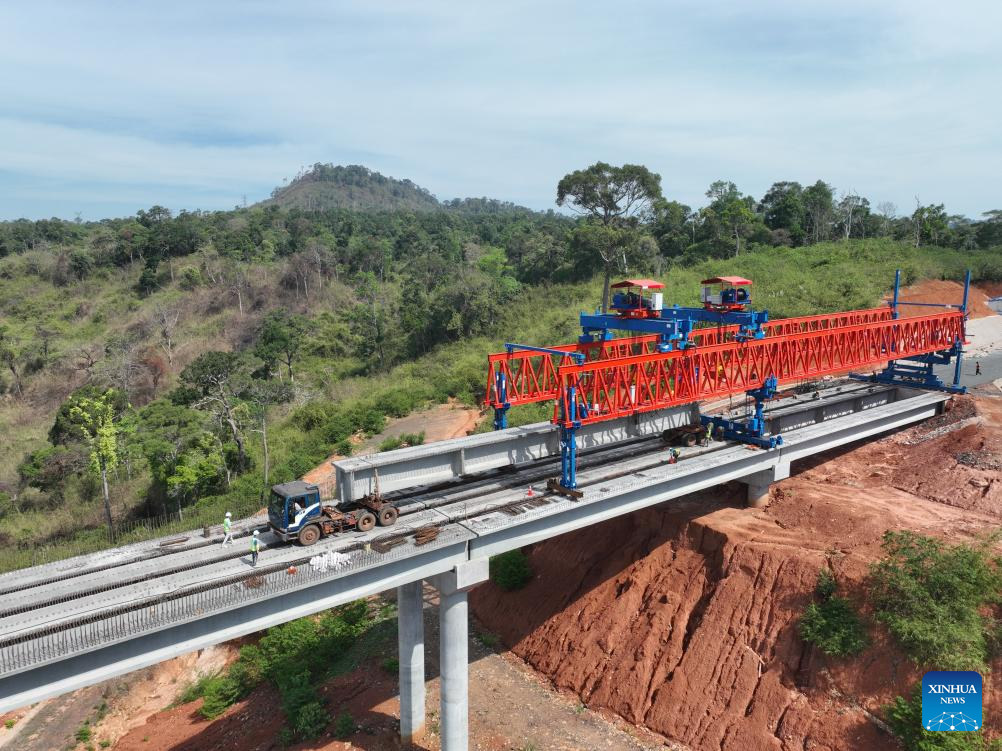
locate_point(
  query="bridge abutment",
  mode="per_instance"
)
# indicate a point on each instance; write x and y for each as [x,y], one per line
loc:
[759,483]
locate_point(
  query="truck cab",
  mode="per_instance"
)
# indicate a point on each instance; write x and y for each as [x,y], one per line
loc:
[291,507]
[296,511]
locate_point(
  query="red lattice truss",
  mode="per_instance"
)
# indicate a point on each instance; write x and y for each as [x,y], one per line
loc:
[624,376]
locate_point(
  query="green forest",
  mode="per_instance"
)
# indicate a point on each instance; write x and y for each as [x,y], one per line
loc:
[188,360]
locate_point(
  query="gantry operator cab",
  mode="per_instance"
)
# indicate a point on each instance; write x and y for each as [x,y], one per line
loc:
[630,300]
[726,293]
[296,511]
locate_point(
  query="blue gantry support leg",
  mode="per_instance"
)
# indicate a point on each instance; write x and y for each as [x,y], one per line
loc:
[754,430]
[501,413]
[917,372]
[568,458]
[569,425]
[959,346]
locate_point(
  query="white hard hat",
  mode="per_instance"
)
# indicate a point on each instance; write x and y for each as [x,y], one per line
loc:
[256,533]
[228,514]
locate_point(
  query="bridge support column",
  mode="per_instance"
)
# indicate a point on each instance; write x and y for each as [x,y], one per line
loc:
[410,639]
[454,650]
[760,482]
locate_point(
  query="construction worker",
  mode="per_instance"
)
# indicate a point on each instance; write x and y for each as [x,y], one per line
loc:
[673,455]
[255,546]
[709,434]
[227,529]
[977,367]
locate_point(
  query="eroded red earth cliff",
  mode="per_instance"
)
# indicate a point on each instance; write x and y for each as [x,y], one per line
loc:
[683,618]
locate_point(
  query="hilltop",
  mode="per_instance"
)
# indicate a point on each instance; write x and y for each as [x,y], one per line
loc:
[356,188]
[329,186]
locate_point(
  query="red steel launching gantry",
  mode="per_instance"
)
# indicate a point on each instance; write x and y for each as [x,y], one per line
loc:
[603,379]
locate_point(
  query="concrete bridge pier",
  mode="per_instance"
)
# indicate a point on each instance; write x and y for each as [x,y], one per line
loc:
[454,653]
[760,482]
[410,640]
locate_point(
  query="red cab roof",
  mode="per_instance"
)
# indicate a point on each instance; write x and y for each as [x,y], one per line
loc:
[642,283]
[737,280]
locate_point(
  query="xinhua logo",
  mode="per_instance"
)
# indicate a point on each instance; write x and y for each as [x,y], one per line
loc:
[951,700]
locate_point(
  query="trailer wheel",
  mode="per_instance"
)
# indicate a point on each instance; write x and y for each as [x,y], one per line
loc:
[387,516]
[309,535]
[366,521]
[690,439]
[667,435]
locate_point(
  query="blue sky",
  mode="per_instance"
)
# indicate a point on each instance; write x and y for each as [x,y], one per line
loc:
[109,107]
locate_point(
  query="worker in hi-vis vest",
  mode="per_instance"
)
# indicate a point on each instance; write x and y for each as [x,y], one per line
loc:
[709,433]
[227,529]
[255,547]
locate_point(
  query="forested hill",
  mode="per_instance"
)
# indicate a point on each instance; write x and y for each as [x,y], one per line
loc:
[357,188]
[329,186]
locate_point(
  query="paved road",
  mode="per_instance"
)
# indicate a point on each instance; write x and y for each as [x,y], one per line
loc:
[991,370]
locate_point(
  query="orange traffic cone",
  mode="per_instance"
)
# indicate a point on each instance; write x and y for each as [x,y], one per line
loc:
[529,494]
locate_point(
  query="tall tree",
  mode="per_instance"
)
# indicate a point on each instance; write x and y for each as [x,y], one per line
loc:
[673,227]
[219,378]
[12,356]
[852,209]
[782,208]
[95,419]
[614,200]
[929,223]
[819,205]
[282,334]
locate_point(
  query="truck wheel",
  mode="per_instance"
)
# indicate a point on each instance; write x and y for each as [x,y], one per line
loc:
[667,435]
[690,439]
[366,521]
[387,516]
[309,535]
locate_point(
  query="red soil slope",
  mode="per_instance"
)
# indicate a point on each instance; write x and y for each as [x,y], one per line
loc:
[683,618]
[944,292]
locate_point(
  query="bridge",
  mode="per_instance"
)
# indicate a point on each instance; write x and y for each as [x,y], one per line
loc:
[77,622]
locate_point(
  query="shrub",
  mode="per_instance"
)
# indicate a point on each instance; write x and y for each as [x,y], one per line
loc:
[405,439]
[248,671]
[83,734]
[826,586]
[834,626]
[344,726]
[905,720]
[191,278]
[391,665]
[220,693]
[311,720]
[510,570]
[81,264]
[831,622]
[930,595]
[312,415]
[196,689]
[286,737]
